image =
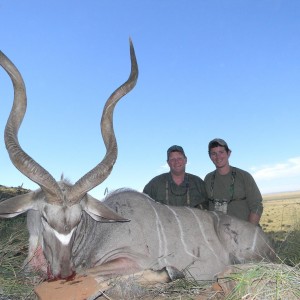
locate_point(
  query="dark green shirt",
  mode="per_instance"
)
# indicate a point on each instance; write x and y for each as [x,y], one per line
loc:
[191,192]
[238,188]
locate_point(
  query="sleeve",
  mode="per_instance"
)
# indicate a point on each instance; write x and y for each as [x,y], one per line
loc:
[203,191]
[152,188]
[207,184]
[148,189]
[202,200]
[254,197]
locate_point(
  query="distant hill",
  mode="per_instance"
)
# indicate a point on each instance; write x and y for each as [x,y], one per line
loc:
[282,196]
[8,192]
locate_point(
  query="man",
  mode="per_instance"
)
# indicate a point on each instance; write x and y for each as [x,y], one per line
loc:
[231,190]
[177,187]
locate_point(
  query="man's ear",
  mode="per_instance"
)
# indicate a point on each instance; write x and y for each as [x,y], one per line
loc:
[229,153]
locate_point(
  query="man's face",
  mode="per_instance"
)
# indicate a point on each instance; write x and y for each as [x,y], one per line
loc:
[177,162]
[219,156]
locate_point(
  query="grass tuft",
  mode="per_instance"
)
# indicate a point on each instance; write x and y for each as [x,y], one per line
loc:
[14,282]
[265,282]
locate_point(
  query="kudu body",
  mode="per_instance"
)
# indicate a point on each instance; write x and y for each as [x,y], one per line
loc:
[70,231]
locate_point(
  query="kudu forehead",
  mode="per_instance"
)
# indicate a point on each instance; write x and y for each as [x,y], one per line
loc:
[62,218]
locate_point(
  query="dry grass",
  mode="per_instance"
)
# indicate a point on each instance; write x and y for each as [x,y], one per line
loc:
[264,282]
[14,282]
[281,212]
[281,221]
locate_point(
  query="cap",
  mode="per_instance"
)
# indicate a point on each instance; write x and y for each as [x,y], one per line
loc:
[175,148]
[216,142]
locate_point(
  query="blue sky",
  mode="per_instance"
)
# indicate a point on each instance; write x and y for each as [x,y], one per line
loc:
[207,69]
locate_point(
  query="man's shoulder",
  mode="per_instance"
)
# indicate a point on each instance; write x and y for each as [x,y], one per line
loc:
[241,172]
[159,178]
[155,183]
[209,175]
[194,177]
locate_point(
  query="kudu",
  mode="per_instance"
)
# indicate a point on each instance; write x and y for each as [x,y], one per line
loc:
[70,231]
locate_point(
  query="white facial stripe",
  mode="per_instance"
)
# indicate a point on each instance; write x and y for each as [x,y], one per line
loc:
[64,238]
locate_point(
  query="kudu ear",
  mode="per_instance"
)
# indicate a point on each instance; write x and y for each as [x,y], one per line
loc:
[99,212]
[17,205]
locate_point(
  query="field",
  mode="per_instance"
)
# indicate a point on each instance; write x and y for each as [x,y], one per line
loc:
[281,221]
[281,213]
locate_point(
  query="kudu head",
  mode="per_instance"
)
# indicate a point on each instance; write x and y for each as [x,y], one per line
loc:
[57,206]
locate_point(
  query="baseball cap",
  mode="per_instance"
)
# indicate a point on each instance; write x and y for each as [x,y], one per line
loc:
[216,142]
[175,148]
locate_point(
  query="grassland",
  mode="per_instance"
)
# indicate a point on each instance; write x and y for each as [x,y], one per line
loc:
[281,212]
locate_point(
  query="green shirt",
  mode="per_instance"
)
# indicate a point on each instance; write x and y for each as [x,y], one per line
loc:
[238,189]
[191,192]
